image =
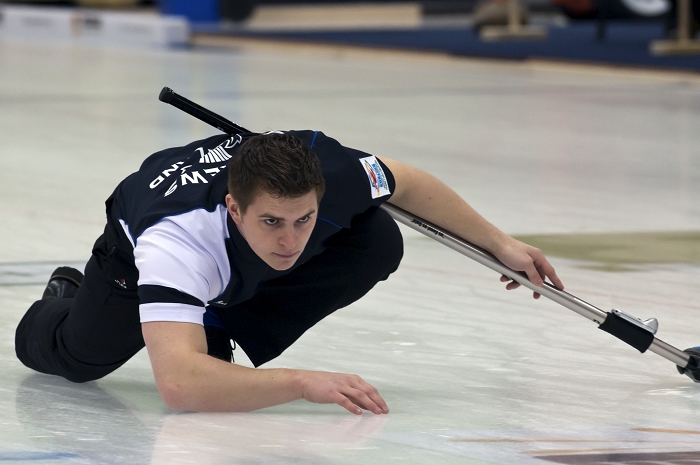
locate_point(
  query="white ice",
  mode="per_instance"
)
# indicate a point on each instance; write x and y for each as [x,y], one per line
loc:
[472,373]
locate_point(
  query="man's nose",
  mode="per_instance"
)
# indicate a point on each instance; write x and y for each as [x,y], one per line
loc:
[288,238]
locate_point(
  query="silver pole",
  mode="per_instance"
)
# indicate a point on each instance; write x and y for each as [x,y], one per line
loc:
[669,352]
[569,301]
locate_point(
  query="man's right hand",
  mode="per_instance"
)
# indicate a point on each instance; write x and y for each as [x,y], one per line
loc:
[349,391]
[189,379]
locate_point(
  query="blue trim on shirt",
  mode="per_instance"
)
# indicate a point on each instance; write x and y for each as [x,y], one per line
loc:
[212,319]
[330,222]
[313,140]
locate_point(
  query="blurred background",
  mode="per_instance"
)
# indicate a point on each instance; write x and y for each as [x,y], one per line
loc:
[647,33]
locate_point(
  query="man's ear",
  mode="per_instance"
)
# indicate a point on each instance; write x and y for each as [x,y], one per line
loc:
[233,209]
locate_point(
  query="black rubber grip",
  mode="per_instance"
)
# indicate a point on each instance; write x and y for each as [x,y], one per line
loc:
[168,95]
[628,332]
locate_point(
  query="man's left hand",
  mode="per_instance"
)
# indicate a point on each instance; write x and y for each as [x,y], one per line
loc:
[522,257]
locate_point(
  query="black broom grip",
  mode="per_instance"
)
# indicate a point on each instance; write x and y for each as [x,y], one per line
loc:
[167,95]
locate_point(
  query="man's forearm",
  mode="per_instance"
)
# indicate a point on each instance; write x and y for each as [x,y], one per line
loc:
[189,379]
[429,198]
[206,384]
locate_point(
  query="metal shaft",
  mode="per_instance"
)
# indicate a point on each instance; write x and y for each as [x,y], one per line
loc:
[569,301]
[669,352]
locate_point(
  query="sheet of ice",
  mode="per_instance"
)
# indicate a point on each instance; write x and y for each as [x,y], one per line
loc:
[472,374]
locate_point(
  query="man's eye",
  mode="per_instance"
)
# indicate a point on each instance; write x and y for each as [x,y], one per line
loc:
[270,221]
[304,219]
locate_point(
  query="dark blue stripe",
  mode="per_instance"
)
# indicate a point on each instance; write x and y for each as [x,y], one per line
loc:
[330,222]
[212,319]
[313,140]
[149,294]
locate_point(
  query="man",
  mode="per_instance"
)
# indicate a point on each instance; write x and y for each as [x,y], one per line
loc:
[191,259]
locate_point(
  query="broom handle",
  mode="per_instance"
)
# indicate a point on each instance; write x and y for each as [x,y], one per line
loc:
[569,301]
[483,257]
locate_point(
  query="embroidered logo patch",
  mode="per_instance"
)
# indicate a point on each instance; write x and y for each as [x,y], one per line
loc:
[377,178]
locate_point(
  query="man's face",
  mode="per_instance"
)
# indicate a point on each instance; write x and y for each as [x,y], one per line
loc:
[277,229]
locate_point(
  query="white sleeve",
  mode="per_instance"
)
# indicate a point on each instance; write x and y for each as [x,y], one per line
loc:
[182,265]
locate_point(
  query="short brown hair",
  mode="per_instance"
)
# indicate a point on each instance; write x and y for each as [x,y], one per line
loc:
[280,164]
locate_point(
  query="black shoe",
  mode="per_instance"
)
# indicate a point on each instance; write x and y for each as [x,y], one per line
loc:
[219,343]
[63,283]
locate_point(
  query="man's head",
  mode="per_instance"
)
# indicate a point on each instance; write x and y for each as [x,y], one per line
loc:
[275,186]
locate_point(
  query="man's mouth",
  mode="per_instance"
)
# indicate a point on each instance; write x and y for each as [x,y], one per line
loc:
[281,255]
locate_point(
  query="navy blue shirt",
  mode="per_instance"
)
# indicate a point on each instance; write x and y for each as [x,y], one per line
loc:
[188,251]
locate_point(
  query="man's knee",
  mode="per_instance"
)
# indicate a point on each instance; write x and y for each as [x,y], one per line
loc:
[38,345]
[80,339]
[35,333]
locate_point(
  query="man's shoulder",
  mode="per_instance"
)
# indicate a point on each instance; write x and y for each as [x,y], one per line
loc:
[211,150]
[175,181]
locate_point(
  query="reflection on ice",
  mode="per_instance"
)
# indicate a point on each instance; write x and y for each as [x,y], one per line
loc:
[207,438]
[83,423]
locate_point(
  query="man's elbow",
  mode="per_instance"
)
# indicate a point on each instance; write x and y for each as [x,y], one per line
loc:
[180,391]
[176,396]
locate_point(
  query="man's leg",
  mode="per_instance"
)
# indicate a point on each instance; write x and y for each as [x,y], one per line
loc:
[284,308]
[88,336]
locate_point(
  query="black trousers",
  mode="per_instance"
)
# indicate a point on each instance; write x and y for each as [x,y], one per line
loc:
[89,336]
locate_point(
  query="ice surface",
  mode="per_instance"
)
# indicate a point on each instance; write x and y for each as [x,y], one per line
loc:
[472,374]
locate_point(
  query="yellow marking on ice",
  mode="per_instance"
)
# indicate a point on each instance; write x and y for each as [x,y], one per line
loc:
[621,251]
[580,451]
[662,430]
[539,440]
